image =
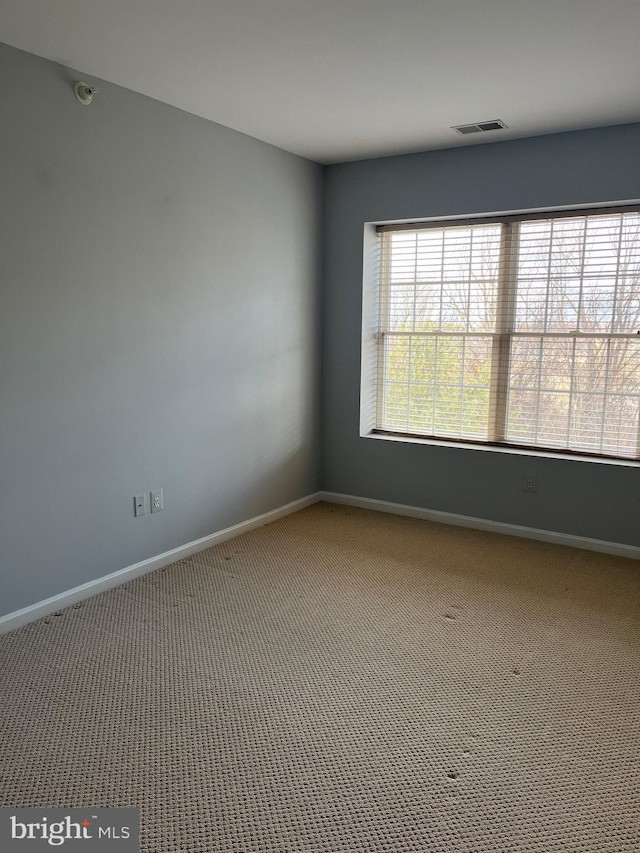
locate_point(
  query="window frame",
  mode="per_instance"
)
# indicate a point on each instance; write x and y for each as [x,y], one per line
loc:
[369,391]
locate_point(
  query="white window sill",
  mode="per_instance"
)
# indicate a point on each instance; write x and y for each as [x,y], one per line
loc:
[517,451]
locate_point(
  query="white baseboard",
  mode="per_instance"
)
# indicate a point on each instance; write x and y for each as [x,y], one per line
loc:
[86,590]
[583,542]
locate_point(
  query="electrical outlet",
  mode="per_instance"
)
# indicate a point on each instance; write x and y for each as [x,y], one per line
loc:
[139,505]
[530,483]
[157,501]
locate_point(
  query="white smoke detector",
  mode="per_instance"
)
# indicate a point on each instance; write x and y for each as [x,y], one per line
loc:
[84,93]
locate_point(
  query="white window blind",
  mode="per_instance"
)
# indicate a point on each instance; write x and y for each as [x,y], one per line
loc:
[518,331]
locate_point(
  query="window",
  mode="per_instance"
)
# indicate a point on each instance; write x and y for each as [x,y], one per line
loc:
[517,331]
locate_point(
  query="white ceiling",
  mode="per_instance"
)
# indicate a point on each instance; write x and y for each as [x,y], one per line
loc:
[337,80]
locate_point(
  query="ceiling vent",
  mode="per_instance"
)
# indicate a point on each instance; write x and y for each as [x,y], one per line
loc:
[480,127]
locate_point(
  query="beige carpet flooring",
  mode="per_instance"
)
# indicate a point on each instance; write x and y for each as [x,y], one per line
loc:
[342,680]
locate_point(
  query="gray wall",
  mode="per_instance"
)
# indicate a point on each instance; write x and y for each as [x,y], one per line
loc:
[158,328]
[584,498]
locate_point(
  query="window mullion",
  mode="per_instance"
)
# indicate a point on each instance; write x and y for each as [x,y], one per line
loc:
[505,323]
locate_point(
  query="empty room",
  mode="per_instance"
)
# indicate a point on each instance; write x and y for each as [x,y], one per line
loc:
[320,426]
